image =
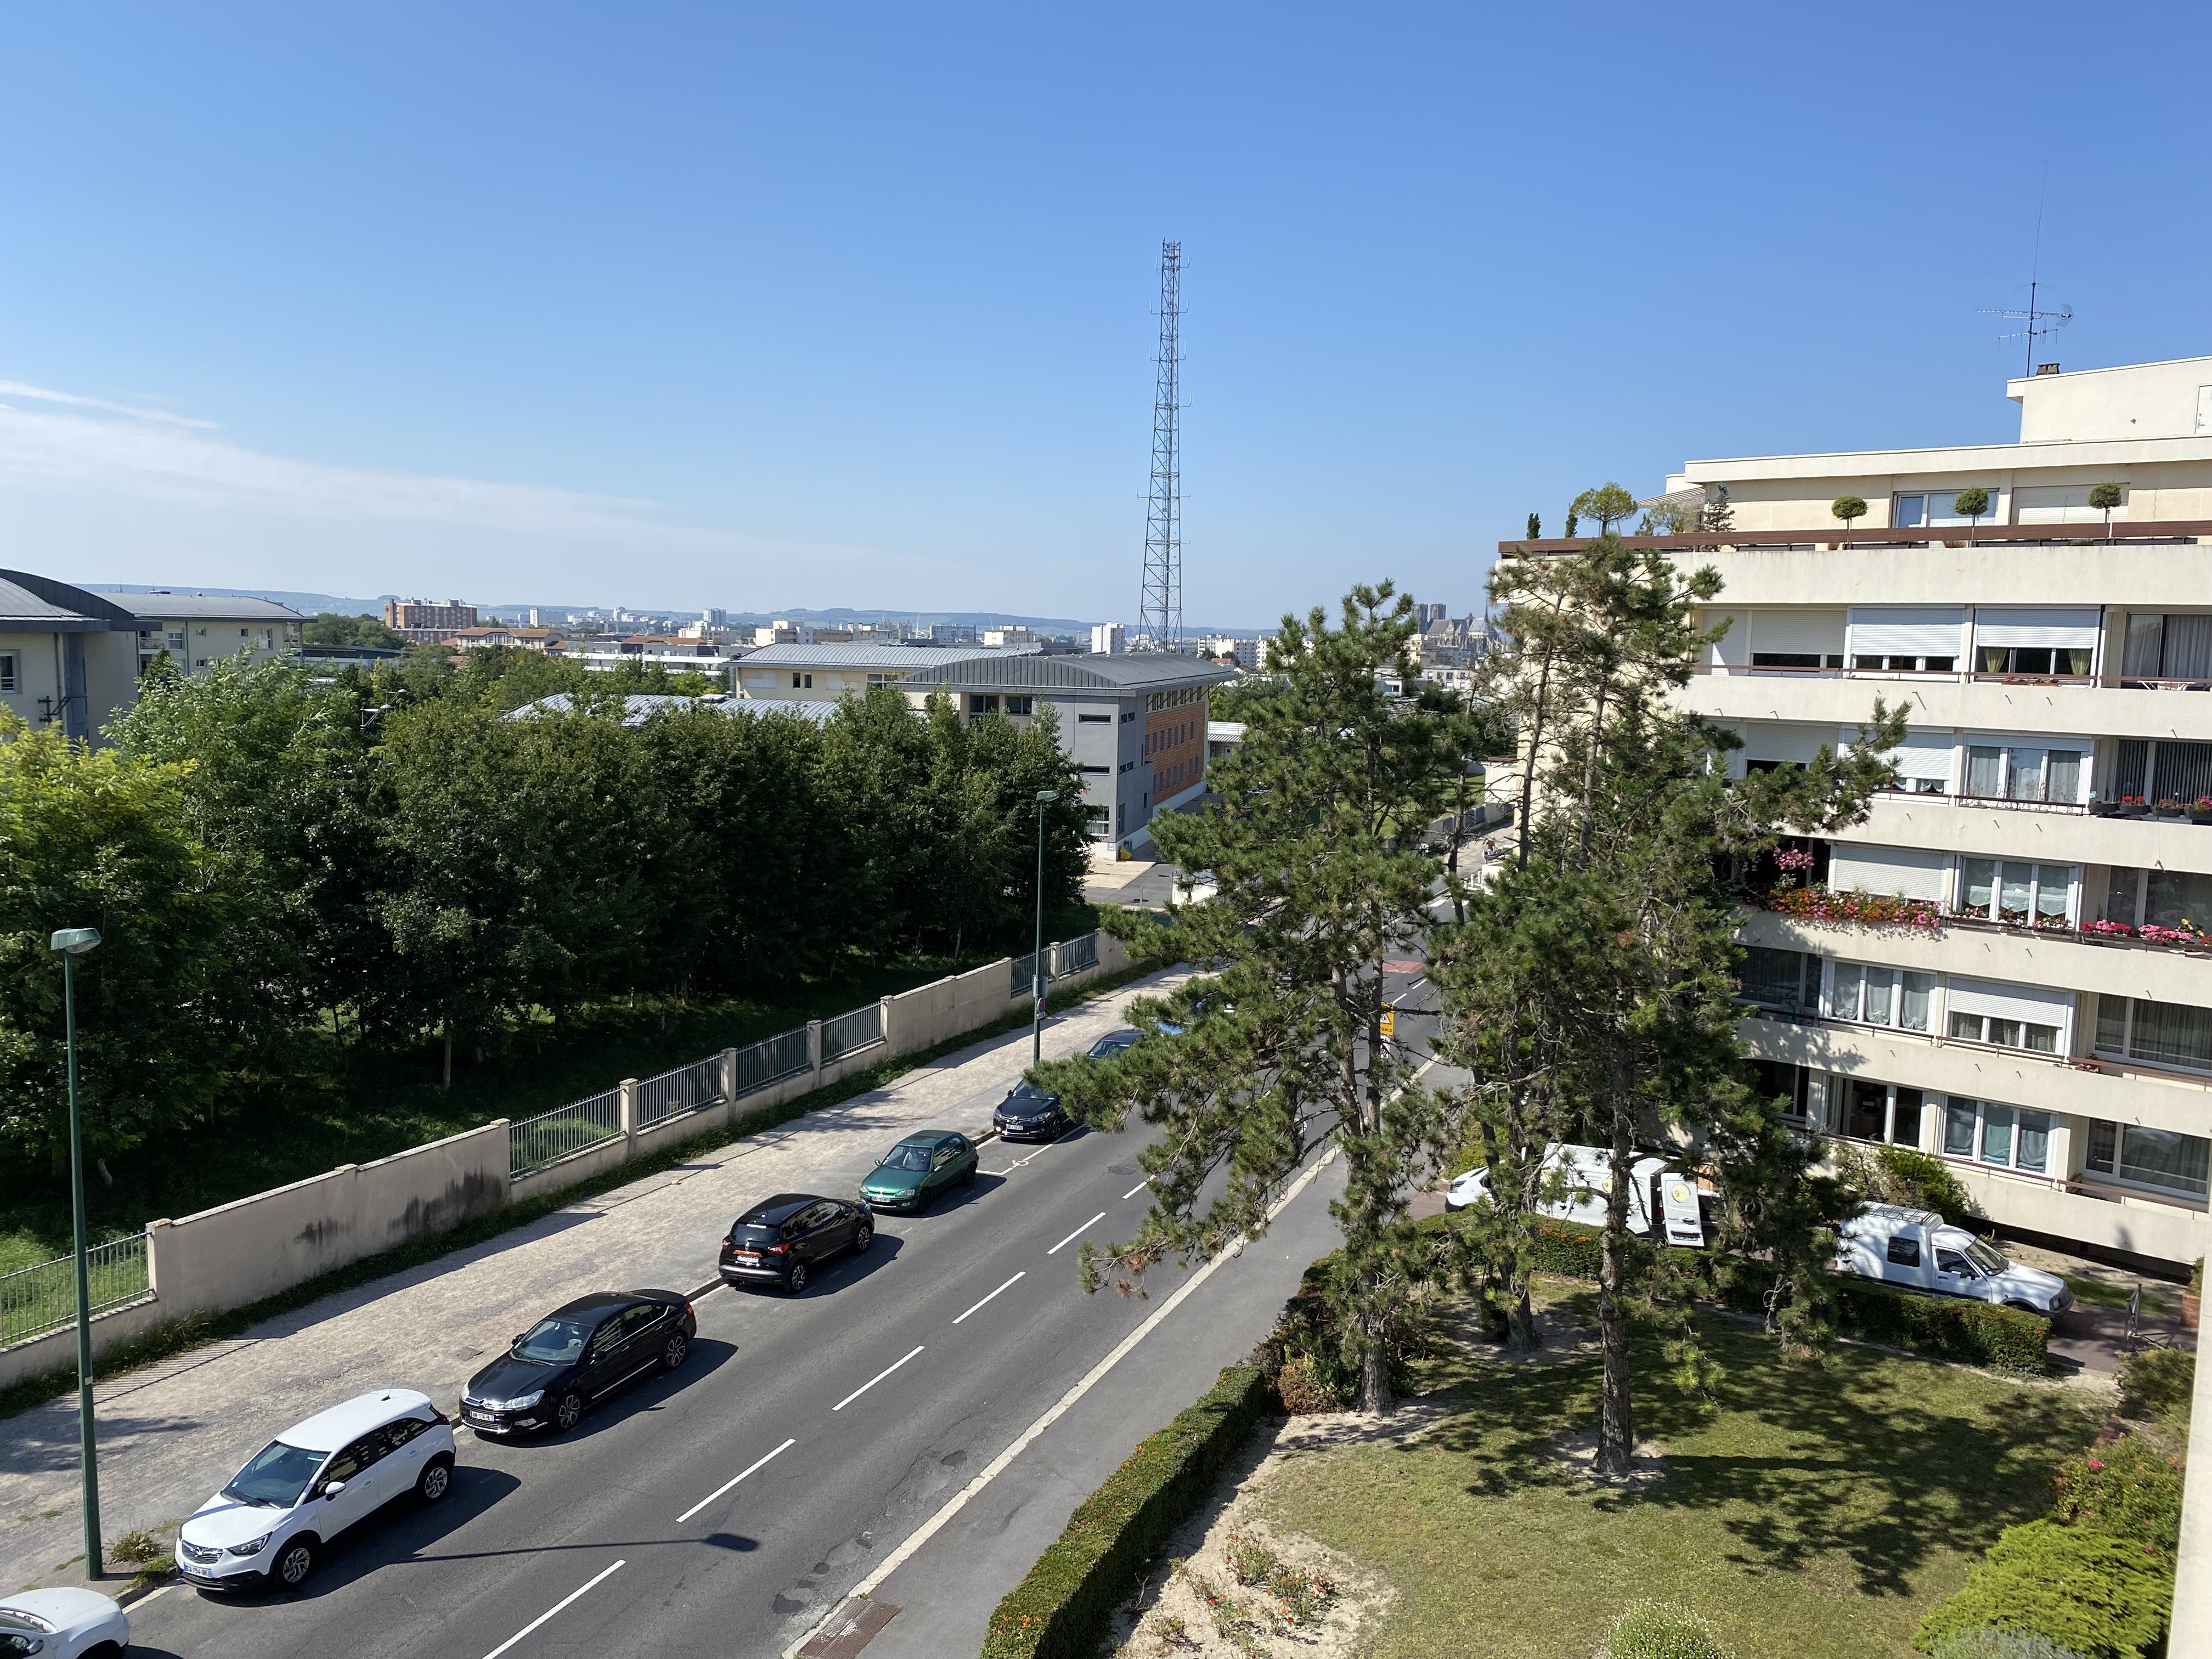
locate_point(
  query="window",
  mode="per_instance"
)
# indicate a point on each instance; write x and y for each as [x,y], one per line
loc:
[2005,1136]
[2181,899]
[2150,1158]
[8,671]
[1881,996]
[2022,894]
[2174,646]
[2007,773]
[1097,823]
[1881,1111]
[1020,705]
[982,703]
[1897,664]
[1100,771]
[176,639]
[2003,1033]
[1904,1252]
[1775,979]
[802,682]
[1790,1086]
[2162,1033]
[2036,660]
[2162,771]
[1796,659]
[1923,510]
[1094,720]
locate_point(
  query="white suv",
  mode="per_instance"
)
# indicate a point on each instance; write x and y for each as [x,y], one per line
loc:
[269,1524]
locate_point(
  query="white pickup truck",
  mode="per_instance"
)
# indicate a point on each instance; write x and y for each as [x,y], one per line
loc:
[1654,1189]
[1917,1250]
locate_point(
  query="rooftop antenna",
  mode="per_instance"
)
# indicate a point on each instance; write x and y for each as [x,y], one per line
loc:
[2038,322]
[1160,610]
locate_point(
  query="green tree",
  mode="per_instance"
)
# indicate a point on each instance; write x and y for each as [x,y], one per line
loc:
[330,628]
[1717,516]
[1625,978]
[1973,503]
[2105,497]
[1536,528]
[1609,504]
[1848,508]
[99,839]
[1315,849]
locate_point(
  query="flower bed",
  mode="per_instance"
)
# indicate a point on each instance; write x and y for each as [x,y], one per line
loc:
[1869,909]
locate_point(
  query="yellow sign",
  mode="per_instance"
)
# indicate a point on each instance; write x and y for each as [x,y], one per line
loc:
[1389,1022]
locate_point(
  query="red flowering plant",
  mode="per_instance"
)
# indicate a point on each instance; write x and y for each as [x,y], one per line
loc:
[1868,909]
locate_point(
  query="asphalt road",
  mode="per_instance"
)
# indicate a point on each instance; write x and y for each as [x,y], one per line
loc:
[726,1508]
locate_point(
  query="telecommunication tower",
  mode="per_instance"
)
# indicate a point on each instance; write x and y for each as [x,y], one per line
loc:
[1160,612]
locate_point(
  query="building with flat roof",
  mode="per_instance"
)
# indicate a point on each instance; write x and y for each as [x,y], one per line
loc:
[545,639]
[1134,725]
[198,631]
[829,672]
[2040,1018]
[420,622]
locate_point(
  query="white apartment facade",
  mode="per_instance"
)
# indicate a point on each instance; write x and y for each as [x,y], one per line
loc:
[2031,1000]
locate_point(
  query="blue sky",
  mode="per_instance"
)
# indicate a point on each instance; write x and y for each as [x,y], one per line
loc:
[853,305]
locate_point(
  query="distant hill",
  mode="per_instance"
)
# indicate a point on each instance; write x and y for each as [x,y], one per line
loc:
[307,602]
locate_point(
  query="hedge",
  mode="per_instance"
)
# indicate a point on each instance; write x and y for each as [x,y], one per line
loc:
[2096,1595]
[1058,1611]
[1977,1332]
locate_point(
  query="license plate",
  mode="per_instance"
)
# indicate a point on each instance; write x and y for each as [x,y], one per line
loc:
[481,1417]
[201,1573]
[747,1257]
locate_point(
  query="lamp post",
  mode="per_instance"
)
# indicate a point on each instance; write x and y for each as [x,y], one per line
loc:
[72,943]
[1045,797]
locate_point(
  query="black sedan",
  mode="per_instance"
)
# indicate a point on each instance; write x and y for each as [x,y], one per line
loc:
[577,1355]
[781,1240]
[1112,1044]
[1030,1113]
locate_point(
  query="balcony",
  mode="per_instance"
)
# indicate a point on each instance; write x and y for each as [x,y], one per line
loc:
[2054,706]
[2028,829]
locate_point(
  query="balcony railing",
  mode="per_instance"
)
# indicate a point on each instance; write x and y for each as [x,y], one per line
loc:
[2167,532]
[1950,675]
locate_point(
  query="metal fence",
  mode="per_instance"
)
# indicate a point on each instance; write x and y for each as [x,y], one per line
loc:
[551,1136]
[1075,956]
[771,1061]
[849,1033]
[1024,971]
[686,1088]
[37,1299]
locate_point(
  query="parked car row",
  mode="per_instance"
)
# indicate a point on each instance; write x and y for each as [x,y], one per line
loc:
[270,1524]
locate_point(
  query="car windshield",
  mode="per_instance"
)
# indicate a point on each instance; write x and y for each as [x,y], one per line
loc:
[1106,1047]
[1985,1258]
[276,1477]
[555,1341]
[909,1155]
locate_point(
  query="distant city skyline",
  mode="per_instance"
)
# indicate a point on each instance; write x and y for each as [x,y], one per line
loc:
[701,301]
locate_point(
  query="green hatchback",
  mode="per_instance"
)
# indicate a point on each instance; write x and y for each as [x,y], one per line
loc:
[917,1169]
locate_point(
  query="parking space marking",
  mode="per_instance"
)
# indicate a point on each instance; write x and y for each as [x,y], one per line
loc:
[872,1380]
[726,1485]
[1022,1275]
[1077,1234]
[604,1573]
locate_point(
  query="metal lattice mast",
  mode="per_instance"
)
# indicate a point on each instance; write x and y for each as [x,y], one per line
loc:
[1160,612]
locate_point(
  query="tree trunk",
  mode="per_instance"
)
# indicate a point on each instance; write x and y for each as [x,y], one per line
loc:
[1376,1397]
[448,1083]
[1616,1439]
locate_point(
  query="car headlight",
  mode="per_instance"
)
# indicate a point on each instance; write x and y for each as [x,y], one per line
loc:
[521,1403]
[252,1546]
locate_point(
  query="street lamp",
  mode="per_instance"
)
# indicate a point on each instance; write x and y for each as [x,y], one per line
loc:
[72,943]
[1045,797]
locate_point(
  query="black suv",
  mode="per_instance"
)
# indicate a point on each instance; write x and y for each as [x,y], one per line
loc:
[577,1355]
[780,1240]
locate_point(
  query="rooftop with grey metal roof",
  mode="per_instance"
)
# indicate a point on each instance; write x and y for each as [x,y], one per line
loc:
[43,605]
[878,656]
[640,706]
[1150,671]
[182,607]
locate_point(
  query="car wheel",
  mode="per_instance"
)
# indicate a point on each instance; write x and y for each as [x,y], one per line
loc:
[794,1282]
[567,1410]
[437,1479]
[675,1351]
[969,1179]
[295,1563]
[863,1238]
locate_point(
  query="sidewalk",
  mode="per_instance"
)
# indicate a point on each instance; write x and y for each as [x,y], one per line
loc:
[170,1433]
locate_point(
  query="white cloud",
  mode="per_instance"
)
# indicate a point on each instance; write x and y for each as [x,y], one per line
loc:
[18,389]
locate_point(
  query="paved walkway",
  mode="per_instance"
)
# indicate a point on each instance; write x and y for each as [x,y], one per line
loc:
[172,1433]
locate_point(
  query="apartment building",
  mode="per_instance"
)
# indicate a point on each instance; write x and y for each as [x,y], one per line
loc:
[198,631]
[420,622]
[827,672]
[67,656]
[2009,964]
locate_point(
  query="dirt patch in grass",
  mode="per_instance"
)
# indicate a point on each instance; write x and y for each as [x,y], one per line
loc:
[1811,1512]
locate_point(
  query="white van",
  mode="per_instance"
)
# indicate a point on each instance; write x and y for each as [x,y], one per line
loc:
[1654,1188]
[1919,1250]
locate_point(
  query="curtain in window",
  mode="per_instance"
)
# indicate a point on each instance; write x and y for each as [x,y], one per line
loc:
[2027,779]
[2145,651]
[2188,647]
[1984,771]
[1996,1134]
[2183,771]
[2012,892]
[2172,1034]
[1979,883]
[1920,990]
[1881,982]
[2130,767]
[1958,1128]
[1843,992]
[2063,776]
[2162,1157]
[2111,1024]
[2034,1149]
[2054,884]
[1772,976]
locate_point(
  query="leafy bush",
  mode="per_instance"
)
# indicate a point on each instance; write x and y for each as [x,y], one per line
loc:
[2155,1385]
[1987,1643]
[1661,1629]
[1058,1610]
[2127,1490]
[1923,1182]
[1975,1331]
[2098,1596]
[1305,1358]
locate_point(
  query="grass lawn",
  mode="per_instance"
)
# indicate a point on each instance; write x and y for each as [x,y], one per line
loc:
[348,1109]
[1806,1511]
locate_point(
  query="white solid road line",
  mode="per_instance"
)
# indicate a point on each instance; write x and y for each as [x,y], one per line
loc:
[871,1382]
[726,1485]
[1135,1190]
[997,1466]
[1022,1275]
[1077,1234]
[606,1573]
